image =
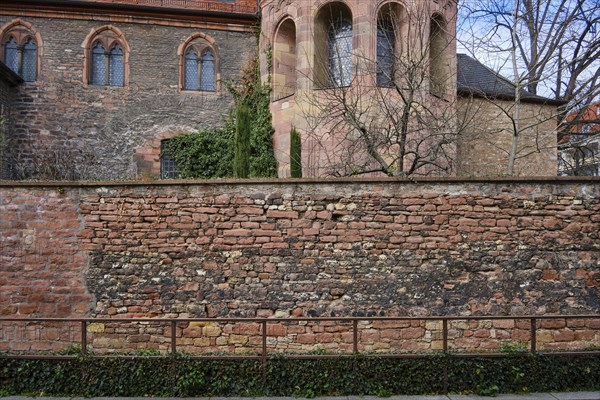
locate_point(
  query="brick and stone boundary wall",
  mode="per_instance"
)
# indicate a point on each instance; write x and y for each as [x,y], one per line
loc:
[302,248]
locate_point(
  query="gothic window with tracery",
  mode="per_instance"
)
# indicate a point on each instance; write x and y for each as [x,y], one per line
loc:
[20,52]
[106,58]
[199,65]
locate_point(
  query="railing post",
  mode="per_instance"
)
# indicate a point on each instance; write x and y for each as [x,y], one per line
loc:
[264,339]
[445,335]
[83,337]
[355,336]
[173,337]
[264,351]
[533,335]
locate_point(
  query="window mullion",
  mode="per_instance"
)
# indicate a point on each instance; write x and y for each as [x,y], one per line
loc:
[107,69]
[20,60]
[200,73]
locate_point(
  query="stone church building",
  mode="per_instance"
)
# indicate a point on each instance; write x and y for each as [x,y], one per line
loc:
[92,88]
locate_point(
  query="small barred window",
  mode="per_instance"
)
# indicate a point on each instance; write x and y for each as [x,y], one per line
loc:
[168,169]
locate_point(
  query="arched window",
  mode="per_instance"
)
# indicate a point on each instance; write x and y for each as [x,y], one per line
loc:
[333,65]
[438,59]
[106,55]
[11,57]
[107,67]
[191,70]
[207,71]
[98,65]
[340,53]
[284,60]
[116,71]
[20,49]
[386,53]
[390,21]
[199,64]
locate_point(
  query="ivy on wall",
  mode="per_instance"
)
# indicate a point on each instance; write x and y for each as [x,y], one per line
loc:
[209,153]
[280,376]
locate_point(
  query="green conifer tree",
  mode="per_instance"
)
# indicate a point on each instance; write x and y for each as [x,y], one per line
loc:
[295,154]
[241,156]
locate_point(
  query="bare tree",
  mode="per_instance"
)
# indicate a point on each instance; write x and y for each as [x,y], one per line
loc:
[391,110]
[552,48]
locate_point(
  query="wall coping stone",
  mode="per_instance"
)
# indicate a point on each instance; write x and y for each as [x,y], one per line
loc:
[308,181]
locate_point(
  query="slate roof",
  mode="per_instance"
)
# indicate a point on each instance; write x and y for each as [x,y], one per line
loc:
[475,79]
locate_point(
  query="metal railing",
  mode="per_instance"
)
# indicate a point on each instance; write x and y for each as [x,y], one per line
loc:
[172,324]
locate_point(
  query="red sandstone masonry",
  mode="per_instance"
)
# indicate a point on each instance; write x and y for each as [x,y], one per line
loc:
[305,248]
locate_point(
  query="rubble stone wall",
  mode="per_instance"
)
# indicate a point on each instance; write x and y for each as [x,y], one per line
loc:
[302,248]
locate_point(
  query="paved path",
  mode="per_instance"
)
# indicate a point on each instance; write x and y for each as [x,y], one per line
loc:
[530,396]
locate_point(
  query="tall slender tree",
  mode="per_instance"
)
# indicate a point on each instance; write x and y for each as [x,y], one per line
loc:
[295,154]
[241,157]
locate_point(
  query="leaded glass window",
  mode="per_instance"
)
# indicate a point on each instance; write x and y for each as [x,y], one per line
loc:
[191,81]
[340,53]
[29,63]
[11,55]
[386,44]
[21,53]
[116,75]
[207,76]
[199,72]
[98,65]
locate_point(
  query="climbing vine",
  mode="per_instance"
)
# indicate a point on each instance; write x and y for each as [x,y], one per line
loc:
[281,376]
[208,153]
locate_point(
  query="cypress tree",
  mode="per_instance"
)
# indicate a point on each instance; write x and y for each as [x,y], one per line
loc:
[241,156]
[295,154]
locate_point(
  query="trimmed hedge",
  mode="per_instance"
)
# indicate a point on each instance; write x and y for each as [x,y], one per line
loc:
[359,375]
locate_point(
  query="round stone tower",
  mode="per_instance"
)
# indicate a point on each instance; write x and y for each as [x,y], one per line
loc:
[313,49]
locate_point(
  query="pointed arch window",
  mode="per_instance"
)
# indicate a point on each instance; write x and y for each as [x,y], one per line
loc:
[98,65]
[11,57]
[191,70]
[106,55]
[200,66]
[107,67]
[207,71]
[19,52]
[116,73]
[29,61]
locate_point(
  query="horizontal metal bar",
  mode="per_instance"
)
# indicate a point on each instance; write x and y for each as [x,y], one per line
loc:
[305,319]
